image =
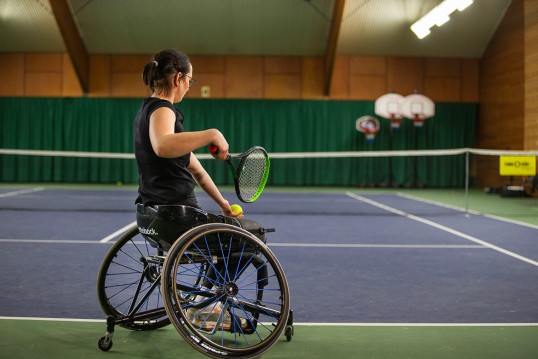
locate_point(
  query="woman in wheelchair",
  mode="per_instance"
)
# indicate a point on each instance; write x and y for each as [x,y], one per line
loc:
[168,170]
[210,275]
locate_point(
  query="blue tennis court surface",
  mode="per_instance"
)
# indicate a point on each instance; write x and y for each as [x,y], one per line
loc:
[349,257]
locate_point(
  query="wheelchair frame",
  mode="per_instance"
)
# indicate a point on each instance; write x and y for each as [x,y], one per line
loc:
[219,285]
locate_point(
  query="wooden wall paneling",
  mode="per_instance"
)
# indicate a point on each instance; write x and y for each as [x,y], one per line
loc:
[127,85]
[500,122]
[244,77]
[284,86]
[282,77]
[12,83]
[282,65]
[43,62]
[364,87]
[443,89]
[500,119]
[215,83]
[367,77]
[442,81]
[208,72]
[99,80]
[405,75]
[470,80]
[509,31]
[502,78]
[128,63]
[207,64]
[340,78]
[43,75]
[486,169]
[312,78]
[368,65]
[531,75]
[43,84]
[531,111]
[355,77]
[442,67]
[126,75]
[70,82]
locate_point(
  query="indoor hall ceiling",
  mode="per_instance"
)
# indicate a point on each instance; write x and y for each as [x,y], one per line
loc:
[249,27]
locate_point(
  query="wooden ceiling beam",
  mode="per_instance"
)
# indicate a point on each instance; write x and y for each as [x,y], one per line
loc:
[332,43]
[73,42]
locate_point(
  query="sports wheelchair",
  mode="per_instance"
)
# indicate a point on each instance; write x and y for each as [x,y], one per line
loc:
[211,276]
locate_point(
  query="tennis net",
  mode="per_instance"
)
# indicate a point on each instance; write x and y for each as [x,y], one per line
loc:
[463,179]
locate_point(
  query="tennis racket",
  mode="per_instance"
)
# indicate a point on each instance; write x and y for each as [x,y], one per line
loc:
[250,174]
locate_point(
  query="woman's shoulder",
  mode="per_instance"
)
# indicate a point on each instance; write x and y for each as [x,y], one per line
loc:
[150,104]
[157,102]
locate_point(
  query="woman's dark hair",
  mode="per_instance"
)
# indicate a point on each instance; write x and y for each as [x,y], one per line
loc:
[157,73]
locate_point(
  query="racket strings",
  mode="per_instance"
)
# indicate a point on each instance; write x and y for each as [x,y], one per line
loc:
[253,175]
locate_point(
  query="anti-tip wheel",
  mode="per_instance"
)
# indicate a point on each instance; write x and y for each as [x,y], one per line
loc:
[105,343]
[288,333]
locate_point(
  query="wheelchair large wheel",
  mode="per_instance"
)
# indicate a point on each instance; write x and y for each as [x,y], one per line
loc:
[241,305]
[128,283]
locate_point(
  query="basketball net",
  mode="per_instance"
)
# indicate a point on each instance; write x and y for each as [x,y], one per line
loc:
[395,120]
[418,120]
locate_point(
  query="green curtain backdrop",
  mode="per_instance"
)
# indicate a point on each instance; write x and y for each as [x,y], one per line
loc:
[105,125]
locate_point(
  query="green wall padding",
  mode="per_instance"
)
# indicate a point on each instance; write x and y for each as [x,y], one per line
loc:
[105,125]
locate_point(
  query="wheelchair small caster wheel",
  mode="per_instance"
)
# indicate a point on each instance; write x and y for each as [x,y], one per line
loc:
[288,333]
[105,343]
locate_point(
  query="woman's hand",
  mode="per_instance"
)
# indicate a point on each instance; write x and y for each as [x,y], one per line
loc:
[221,144]
[227,210]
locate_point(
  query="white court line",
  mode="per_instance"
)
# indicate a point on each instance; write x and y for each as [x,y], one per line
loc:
[443,228]
[70,241]
[492,216]
[439,204]
[299,245]
[366,245]
[56,319]
[419,324]
[115,234]
[56,241]
[22,191]
[313,324]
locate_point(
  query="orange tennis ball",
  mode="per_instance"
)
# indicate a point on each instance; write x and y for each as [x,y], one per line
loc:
[236,209]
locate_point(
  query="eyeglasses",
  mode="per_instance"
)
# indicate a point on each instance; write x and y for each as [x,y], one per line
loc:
[192,80]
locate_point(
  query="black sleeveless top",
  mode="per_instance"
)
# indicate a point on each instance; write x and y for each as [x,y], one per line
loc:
[160,180]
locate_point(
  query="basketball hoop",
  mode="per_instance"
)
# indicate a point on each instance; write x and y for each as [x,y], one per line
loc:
[418,108]
[369,126]
[389,106]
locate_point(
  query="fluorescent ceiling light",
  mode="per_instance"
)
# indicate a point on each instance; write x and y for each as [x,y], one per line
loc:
[438,16]
[462,4]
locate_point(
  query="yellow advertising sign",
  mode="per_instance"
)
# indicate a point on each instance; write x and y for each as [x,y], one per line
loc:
[517,165]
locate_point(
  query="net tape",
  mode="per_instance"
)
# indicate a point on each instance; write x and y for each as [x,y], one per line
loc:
[328,154]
